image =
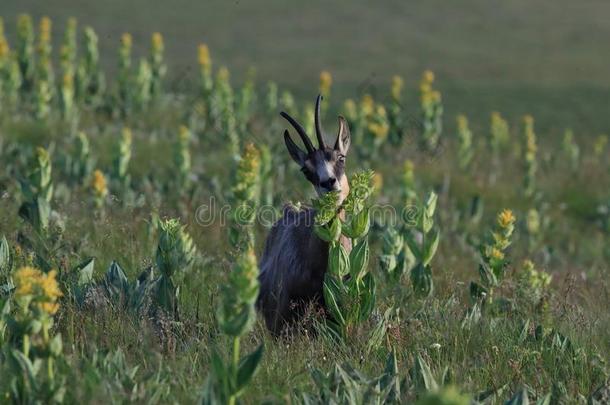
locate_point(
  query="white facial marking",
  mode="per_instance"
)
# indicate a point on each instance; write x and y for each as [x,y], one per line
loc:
[324,171]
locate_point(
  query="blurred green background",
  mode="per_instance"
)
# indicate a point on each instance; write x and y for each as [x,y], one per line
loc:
[550,59]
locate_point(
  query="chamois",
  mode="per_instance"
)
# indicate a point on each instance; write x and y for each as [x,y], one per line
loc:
[294,260]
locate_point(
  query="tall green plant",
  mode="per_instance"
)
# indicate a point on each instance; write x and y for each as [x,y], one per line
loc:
[37,191]
[236,315]
[422,239]
[174,257]
[349,286]
[493,258]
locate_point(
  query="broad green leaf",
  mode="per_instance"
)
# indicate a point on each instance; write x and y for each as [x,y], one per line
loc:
[487,275]
[358,226]
[423,375]
[359,258]
[115,281]
[85,272]
[430,247]
[335,229]
[332,302]
[338,260]
[421,278]
[430,204]
[247,368]
[5,256]
[545,400]
[387,263]
[43,210]
[413,246]
[367,297]
[520,398]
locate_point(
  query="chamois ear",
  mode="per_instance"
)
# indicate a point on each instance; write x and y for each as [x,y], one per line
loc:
[343,137]
[295,152]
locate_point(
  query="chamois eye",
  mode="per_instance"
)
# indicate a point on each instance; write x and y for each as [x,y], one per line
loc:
[342,158]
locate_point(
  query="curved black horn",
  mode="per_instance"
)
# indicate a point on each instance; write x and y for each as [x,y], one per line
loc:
[300,130]
[319,131]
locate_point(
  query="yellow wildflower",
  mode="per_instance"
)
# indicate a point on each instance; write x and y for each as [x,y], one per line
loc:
[396,88]
[462,122]
[157,41]
[183,133]
[326,80]
[4,48]
[42,288]
[506,218]
[45,30]
[251,159]
[496,254]
[204,56]
[223,74]
[99,184]
[24,281]
[351,111]
[126,40]
[127,135]
[425,88]
[68,80]
[367,104]
[428,76]
[379,130]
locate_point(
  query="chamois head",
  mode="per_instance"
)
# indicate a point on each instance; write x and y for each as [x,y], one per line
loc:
[323,167]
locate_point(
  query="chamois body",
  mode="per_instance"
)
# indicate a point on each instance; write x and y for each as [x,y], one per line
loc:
[292,269]
[294,260]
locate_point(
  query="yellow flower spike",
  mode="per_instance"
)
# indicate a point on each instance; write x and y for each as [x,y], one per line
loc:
[367,104]
[396,88]
[49,285]
[126,40]
[223,74]
[203,56]
[425,88]
[127,135]
[506,218]
[68,80]
[528,119]
[99,184]
[428,76]
[496,254]
[157,41]
[350,108]
[183,133]
[326,80]
[45,30]
[4,48]
[251,158]
[42,288]
[462,122]
[528,265]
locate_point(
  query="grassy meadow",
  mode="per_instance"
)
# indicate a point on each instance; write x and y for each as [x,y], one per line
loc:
[479,129]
